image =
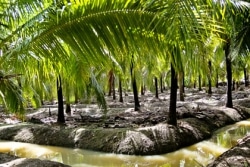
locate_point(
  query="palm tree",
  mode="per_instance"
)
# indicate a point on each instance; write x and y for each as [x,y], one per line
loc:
[242,39]
[102,27]
[36,14]
[186,27]
[100,32]
[231,13]
[15,17]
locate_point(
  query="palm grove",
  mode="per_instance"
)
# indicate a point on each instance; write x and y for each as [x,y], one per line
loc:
[83,48]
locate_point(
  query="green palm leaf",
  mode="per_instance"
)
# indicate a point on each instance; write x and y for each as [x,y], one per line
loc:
[11,94]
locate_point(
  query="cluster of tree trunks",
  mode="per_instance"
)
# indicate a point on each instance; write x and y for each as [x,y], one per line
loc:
[174,87]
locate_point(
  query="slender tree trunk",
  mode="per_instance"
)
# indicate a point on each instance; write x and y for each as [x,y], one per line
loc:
[183,83]
[110,82]
[161,84]
[41,98]
[173,98]
[134,86]
[246,77]
[120,90]
[60,116]
[68,108]
[113,87]
[194,86]
[181,86]
[237,85]
[217,79]
[210,77]
[229,102]
[199,82]
[233,86]
[142,89]
[156,88]
[136,98]
[204,82]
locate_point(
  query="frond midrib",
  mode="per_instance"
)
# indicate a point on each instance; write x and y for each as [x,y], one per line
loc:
[91,16]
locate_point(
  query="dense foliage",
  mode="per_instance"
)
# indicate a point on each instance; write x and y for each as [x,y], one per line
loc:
[81,41]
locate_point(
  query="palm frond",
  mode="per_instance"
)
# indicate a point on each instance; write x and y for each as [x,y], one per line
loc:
[11,95]
[98,92]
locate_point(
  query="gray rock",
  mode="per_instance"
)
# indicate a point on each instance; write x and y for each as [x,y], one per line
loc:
[6,158]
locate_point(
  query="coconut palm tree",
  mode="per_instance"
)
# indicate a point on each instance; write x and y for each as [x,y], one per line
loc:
[102,31]
[17,17]
[103,26]
[242,40]
[34,19]
[186,26]
[231,13]
[103,37]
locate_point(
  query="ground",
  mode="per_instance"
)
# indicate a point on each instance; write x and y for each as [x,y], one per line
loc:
[122,115]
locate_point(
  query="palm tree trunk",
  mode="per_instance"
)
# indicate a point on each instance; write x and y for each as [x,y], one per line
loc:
[173,98]
[229,102]
[60,116]
[233,86]
[161,84]
[183,83]
[113,87]
[245,77]
[237,85]
[181,86]
[210,77]
[199,82]
[136,97]
[120,90]
[68,108]
[142,89]
[110,82]
[156,88]
[217,79]
[134,86]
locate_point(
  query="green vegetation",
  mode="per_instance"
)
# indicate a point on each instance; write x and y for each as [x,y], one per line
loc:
[69,47]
